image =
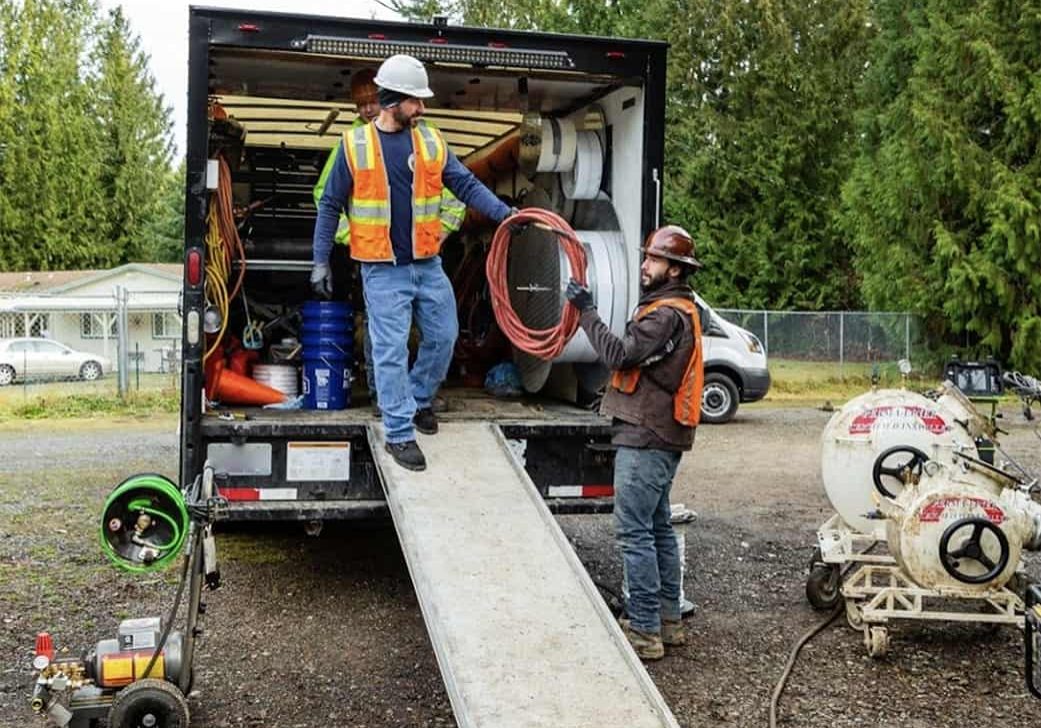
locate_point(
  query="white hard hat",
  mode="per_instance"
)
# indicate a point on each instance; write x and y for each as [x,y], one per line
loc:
[406,75]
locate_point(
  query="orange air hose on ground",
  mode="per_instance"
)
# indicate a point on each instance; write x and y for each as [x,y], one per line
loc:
[543,343]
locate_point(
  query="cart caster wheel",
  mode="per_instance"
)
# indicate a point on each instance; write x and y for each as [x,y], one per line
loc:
[876,639]
[854,617]
[149,704]
[823,586]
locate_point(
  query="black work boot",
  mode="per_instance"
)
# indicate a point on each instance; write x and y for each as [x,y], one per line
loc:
[407,455]
[425,421]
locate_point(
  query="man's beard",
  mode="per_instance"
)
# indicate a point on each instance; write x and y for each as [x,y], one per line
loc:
[654,283]
[404,120]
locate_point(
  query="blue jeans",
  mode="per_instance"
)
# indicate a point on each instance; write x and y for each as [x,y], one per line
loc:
[643,528]
[394,294]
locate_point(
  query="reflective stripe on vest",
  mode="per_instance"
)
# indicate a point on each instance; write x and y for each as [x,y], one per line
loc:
[453,212]
[686,403]
[368,208]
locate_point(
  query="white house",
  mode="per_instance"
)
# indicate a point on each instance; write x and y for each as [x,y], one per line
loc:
[80,309]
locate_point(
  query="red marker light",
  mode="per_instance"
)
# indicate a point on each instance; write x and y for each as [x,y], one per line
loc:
[497,44]
[249,28]
[193,267]
[439,41]
[377,36]
[614,55]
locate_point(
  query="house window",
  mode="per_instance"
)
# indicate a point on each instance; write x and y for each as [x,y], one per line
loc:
[92,325]
[13,325]
[166,325]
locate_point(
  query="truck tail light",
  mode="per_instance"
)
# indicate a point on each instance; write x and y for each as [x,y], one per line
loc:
[193,267]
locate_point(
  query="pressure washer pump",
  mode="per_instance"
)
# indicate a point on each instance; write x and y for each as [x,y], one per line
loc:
[141,677]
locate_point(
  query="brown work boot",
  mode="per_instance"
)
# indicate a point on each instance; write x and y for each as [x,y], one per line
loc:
[673,633]
[647,645]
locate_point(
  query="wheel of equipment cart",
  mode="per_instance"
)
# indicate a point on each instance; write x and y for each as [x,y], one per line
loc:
[854,617]
[876,639]
[823,586]
[149,704]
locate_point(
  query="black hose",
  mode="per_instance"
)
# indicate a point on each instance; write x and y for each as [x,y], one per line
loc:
[176,603]
[776,697]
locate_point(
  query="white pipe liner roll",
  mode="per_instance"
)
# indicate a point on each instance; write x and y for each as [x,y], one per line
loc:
[282,377]
[559,142]
[583,182]
[606,278]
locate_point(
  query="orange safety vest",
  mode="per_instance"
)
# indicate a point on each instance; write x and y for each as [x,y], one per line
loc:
[368,209]
[686,404]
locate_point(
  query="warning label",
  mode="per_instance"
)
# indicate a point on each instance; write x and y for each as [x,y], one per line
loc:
[908,418]
[318,461]
[952,508]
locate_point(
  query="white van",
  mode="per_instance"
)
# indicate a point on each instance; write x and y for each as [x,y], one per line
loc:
[735,367]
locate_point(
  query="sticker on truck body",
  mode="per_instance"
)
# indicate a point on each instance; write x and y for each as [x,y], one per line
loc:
[318,461]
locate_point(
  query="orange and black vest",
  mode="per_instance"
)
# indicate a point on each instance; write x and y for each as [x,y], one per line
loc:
[686,402]
[368,209]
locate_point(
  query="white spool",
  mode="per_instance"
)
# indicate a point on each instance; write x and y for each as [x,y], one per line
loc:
[278,376]
[583,181]
[606,278]
[559,142]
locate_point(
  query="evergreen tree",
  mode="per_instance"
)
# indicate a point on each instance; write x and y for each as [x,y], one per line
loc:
[943,203]
[136,144]
[84,138]
[163,237]
[50,203]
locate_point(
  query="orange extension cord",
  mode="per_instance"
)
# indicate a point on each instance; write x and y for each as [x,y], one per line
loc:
[543,343]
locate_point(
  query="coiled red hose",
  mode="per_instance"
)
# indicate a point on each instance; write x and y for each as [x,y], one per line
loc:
[544,343]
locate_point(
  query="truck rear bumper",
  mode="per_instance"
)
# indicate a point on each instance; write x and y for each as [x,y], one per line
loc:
[359,510]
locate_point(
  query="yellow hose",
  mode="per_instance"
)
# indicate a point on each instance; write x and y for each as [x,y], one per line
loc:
[217,271]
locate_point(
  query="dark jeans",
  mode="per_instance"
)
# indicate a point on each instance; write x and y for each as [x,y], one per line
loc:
[643,528]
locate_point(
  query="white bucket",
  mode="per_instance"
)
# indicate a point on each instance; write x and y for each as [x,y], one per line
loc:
[282,377]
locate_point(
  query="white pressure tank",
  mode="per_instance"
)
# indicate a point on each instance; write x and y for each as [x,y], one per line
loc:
[872,424]
[962,527]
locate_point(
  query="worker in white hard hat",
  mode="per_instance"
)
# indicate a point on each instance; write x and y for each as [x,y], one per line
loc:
[389,175]
[365,96]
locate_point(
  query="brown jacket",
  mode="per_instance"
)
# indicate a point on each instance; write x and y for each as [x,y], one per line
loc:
[661,344]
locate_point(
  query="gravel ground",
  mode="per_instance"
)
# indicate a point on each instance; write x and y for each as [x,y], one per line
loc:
[322,631]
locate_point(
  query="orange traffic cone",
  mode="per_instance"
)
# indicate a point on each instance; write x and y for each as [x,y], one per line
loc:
[227,387]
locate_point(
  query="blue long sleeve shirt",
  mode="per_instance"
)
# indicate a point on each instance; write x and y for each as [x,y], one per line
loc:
[396,148]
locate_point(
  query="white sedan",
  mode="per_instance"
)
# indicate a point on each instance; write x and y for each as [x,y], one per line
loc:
[32,358]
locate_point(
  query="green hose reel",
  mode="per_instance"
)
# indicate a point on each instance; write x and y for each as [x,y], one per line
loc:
[144,523]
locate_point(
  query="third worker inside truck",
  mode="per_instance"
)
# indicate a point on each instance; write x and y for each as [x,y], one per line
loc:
[654,400]
[389,176]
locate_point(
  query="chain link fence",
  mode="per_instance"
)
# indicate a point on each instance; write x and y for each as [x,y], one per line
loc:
[54,344]
[838,343]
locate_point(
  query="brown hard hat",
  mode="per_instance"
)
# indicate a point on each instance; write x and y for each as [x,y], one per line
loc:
[363,87]
[674,243]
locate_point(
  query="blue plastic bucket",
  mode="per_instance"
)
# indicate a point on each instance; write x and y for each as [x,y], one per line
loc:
[327,335]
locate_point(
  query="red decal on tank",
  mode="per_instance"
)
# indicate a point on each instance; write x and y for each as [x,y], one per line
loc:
[898,417]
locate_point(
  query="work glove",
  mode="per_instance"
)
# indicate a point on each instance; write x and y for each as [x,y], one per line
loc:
[579,296]
[322,280]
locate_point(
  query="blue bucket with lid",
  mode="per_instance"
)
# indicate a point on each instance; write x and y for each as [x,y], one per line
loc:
[327,335]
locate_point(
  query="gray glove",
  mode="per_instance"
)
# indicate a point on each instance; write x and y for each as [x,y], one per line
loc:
[579,295]
[322,280]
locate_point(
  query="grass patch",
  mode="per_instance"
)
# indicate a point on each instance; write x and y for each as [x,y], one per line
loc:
[793,380]
[92,405]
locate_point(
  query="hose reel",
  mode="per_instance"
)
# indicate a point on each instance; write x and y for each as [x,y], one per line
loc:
[144,523]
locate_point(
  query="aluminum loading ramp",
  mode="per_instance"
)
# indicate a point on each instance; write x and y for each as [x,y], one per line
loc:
[521,634]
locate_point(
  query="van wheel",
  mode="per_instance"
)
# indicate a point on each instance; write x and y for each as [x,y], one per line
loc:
[719,399]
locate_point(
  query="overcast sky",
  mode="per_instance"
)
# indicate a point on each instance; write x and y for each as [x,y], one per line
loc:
[162,26]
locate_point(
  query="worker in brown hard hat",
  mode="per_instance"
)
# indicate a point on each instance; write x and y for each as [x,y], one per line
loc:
[654,400]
